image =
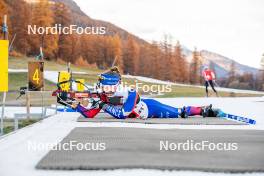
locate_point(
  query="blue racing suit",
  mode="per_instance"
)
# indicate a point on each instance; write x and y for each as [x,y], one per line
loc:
[151,108]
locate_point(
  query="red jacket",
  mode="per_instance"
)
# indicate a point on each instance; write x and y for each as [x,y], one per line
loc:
[208,75]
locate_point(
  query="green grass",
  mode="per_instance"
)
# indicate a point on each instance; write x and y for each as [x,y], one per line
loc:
[17,80]
[9,124]
[22,63]
[182,91]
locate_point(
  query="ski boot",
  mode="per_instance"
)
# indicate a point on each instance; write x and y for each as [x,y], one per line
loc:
[208,111]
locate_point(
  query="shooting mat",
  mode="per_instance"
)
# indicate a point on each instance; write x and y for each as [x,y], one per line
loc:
[131,148]
[197,120]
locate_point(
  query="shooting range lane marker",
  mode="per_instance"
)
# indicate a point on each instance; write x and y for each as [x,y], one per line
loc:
[35,76]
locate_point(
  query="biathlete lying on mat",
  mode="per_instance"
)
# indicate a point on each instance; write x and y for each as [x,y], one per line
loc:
[133,105]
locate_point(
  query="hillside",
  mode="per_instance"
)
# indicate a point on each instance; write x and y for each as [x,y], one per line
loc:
[221,63]
[82,19]
[224,63]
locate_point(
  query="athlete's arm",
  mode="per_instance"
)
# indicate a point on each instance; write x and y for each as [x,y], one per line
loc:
[121,112]
[88,113]
[213,75]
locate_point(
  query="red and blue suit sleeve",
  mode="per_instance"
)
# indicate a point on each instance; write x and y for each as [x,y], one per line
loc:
[87,113]
[122,112]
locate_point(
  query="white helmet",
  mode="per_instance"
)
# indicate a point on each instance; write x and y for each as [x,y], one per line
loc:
[205,67]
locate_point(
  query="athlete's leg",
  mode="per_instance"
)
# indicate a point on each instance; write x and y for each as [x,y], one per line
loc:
[157,109]
[193,110]
[212,85]
[206,88]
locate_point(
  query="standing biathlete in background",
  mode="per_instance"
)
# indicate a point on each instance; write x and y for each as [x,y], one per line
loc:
[209,78]
[133,106]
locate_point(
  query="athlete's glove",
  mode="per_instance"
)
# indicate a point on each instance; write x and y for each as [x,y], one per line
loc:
[99,104]
[103,97]
[102,105]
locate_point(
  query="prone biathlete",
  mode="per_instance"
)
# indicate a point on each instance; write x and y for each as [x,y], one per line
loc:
[133,106]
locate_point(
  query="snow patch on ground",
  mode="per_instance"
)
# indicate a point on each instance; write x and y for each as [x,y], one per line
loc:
[52,76]
[10,70]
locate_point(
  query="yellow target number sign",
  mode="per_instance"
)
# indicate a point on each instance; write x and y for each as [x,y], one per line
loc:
[35,76]
[80,85]
[4,65]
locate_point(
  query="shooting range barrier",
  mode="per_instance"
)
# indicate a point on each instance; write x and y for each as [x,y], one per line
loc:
[34,105]
[197,120]
[132,148]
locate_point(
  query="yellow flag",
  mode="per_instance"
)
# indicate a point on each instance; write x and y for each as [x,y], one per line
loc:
[4,65]
[64,76]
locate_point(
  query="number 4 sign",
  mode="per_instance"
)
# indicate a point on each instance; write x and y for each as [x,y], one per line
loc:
[35,76]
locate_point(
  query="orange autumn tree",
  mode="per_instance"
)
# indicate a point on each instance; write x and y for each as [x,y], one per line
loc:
[62,16]
[116,52]
[20,18]
[43,17]
[195,68]
[131,56]
[183,72]
[168,65]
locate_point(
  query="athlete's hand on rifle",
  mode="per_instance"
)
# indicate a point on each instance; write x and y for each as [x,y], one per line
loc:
[103,100]
[103,97]
[99,104]
[74,105]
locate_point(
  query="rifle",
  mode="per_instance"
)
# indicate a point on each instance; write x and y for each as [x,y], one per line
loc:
[67,98]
